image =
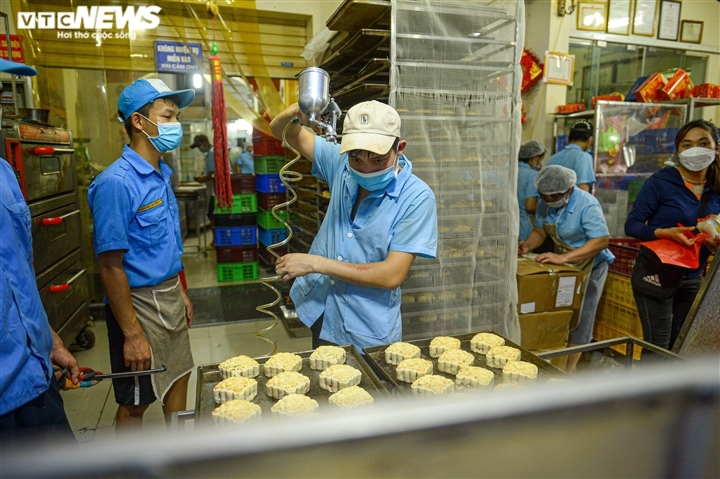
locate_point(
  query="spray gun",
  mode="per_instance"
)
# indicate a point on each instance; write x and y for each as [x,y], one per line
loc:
[315,101]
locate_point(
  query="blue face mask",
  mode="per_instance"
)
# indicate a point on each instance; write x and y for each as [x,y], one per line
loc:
[169,135]
[377,180]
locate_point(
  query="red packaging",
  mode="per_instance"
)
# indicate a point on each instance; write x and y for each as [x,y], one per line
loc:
[707,90]
[678,86]
[571,108]
[648,91]
[611,97]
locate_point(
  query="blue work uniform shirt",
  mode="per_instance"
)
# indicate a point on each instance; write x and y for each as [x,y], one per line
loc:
[134,210]
[526,189]
[25,368]
[578,160]
[246,163]
[401,217]
[577,222]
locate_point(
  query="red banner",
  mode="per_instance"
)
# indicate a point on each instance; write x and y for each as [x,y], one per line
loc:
[16,43]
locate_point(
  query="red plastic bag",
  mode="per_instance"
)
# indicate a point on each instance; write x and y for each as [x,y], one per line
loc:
[677,254]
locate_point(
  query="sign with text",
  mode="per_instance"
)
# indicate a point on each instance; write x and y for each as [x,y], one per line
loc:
[175,57]
[16,44]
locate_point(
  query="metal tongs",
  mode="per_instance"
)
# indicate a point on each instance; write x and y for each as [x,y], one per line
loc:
[94,376]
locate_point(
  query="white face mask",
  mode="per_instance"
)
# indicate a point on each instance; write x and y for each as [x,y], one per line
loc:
[696,158]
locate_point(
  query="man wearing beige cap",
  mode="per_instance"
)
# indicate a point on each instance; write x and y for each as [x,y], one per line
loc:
[380,218]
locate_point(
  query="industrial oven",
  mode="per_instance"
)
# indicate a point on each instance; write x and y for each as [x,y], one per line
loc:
[43,159]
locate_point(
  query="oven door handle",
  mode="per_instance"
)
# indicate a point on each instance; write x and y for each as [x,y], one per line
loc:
[56,220]
[59,288]
[51,150]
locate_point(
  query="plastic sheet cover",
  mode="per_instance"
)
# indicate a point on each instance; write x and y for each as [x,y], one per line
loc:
[455,80]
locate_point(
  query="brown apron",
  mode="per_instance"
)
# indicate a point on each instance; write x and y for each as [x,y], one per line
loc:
[584,265]
[161,313]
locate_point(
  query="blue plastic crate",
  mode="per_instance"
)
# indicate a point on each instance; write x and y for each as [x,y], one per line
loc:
[269,184]
[270,237]
[236,235]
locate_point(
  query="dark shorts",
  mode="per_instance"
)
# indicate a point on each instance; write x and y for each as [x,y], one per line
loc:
[316,328]
[36,419]
[211,207]
[124,387]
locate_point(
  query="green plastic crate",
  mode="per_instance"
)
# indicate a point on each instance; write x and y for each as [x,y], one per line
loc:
[269,222]
[268,164]
[241,204]
[237,271]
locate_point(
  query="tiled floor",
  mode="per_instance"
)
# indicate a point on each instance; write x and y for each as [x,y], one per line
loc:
[91,411]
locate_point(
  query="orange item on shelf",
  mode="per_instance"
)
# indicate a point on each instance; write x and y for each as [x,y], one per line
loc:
[615,96]
[648,91]
[707,90]
[678,86]
[571,108]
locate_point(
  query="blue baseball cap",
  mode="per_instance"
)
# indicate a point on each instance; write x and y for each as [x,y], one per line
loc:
[6,66]
[142,92]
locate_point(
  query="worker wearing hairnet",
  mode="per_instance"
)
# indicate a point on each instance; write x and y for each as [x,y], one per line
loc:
[576,156]
[574,220]
[529,163]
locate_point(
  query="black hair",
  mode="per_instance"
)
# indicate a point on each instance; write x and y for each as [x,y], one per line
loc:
[713,172]
[580,135]
[394,148]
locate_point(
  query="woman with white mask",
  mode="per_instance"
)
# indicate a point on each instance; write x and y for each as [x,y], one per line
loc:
[573,218]
[675,195]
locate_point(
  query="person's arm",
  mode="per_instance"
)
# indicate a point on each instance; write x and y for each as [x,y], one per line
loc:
[535,239]
[644,207]
[189,312]
[531,204]
[584,187]
[237,169]
[60,356]
[117,289]
[387,274]
[296,136]
[589,250]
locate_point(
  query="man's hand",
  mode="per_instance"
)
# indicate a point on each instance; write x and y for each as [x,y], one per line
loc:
[63,358]
[712,245]
[189,313]
[294,265]
[551,258]
[523,248]
[136,351]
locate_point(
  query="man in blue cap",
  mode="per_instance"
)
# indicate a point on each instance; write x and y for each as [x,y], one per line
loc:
[30,402]
[138,243]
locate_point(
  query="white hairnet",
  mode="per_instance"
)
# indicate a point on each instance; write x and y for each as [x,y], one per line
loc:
[555,179]
[530,149]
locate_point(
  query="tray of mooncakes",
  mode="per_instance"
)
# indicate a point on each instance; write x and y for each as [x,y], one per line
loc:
[463,362]
[262,386]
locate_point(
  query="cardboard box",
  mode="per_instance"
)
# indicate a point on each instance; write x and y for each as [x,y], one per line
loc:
[545,331]
[678,86]
[648,91]
[547,287]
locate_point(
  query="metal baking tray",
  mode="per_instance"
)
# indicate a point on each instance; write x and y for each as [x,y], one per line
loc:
[375,356]
[353,15]
[361,47]
[209,376]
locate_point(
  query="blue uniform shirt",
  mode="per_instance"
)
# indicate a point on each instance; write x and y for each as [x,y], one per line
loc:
[246,163]
[402,217]
[578,160]
[578,222]
[526,189]
[134,210]
[25,368]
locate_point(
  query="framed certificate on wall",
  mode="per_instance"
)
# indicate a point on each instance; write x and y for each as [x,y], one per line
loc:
[619,17]
[559,68]
[592,16]
[691,31]
[644,17]
[669,23]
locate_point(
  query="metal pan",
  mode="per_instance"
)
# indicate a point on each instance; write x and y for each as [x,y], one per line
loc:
[375,356]
[209,376]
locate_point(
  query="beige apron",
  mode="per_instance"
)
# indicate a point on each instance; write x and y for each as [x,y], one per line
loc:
[160,310]
[584,265]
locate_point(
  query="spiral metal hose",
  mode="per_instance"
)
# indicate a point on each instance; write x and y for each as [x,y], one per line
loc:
[287,176]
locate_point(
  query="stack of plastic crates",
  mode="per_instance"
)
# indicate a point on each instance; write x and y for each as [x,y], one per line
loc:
[271,192]
[236,233]
[617,313]
[626,252]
